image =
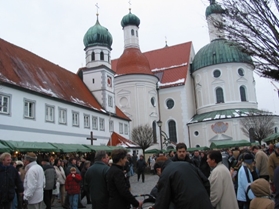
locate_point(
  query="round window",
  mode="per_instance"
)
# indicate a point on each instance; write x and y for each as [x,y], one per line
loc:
[240,72]
[196,133]
[216,73]
[153,101]
[170,103]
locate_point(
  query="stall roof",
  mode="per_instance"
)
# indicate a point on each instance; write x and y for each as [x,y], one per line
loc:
[4,148]
[66,148]
[271,137]
[228,144]
[25,146]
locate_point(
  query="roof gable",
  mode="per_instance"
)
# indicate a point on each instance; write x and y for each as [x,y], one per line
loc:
[170,64]
[23,69]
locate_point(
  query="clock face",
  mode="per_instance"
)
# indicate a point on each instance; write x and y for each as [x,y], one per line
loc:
[109,81]
[220,127]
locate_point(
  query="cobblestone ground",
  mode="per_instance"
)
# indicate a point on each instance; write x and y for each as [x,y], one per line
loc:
[137,187]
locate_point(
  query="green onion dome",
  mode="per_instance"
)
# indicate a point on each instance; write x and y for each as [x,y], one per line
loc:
[213,8]
[130,19]
[97,35]
[217,52]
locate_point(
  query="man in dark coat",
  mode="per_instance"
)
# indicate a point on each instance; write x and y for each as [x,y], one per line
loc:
[9,181]
[141,165]
[181,153]
[95,181]
[183,185]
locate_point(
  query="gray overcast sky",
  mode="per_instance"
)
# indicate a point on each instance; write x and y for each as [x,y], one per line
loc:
[54,30]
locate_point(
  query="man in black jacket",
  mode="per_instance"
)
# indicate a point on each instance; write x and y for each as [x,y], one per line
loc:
[141,165]
[181,153]
[9,181]
[182,185]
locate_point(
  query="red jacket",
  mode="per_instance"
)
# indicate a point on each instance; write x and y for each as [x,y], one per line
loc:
[72,184]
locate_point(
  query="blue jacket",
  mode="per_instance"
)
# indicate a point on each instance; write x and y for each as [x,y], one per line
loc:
[9,182]
[243,184]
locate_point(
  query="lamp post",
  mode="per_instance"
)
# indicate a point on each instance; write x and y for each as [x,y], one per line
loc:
[159,123]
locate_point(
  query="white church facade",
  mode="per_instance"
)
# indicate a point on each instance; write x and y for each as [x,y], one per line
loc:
[198,98]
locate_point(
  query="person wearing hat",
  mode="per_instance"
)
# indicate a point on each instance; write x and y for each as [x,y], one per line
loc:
[244,179]
[34,182]
[261,190]
[181,185]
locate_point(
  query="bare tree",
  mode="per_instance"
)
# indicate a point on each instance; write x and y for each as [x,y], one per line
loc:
[143,136]
[258,125]
[253,26]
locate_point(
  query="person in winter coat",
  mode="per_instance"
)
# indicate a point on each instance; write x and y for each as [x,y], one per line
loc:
[72,186]
[95,181]
[119,194]
[244,179]
[222,193]
[261,190]
[50,176]
[61,178]
[9,181]
[84,191]
[181,153]
[182,185]
[141,165]
[34,182]
[204,167]
[276,184]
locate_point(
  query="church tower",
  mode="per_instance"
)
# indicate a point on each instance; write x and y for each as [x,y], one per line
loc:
[97,75]
[224,86]
[135,84]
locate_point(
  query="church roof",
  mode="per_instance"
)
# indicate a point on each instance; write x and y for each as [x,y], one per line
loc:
[132,61]
[22,69]
[170,64]
[97,35]
[217,52]
[130,19]
[224,114]
[117,140]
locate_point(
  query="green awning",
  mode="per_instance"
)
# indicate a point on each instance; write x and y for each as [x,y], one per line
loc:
[98,148]
[23,146]
[66,148]
[4,148]
[271,137]
[191,149]
[155,151]
[228,144]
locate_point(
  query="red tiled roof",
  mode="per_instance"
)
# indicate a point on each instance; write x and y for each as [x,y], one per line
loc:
[132,61]
[170,64]
[117,139]
[21,68]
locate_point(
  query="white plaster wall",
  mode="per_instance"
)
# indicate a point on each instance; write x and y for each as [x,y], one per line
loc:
[15,127]
[133,95]
[230,81]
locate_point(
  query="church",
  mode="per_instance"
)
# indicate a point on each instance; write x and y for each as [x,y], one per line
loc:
[195,98]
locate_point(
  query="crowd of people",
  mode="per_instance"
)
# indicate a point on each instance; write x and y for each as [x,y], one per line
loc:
[222,179]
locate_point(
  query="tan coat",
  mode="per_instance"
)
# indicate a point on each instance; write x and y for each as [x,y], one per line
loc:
[261,162]
[260,188]
[273,162]
[222,193]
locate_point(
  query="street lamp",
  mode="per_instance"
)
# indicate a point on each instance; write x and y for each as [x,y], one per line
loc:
[159,123]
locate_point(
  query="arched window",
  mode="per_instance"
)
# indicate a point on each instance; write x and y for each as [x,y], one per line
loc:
[132,32]
[136,33]
[102,55]
[93,56]
[252,135]
[242,94]
[172,131]
[154,126]
[275,130]
[219,95]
